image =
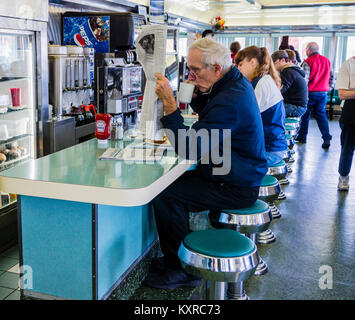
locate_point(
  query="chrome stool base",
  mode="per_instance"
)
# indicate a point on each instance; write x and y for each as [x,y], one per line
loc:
[266,237]
[281,196]
[236,291]
[289,169]
[262,268]
[284,181]
[276,214]
[215,290]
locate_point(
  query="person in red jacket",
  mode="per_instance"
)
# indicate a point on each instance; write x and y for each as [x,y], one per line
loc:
[320,78]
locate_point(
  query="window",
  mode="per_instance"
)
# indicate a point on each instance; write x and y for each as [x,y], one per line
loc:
[350,48]
[241,42]
[300,44]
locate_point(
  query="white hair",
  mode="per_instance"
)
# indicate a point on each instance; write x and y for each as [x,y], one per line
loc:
[213,52]
[312,46]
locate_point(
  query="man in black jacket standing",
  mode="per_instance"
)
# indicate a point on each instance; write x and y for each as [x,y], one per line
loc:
[294,86]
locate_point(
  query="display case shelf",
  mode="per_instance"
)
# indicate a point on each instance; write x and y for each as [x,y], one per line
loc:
[15,138]
[9,111]
[8,205]
[10,163]
[13,78]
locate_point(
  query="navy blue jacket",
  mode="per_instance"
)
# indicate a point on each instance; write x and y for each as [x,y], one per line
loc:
[294,86]
[231,104]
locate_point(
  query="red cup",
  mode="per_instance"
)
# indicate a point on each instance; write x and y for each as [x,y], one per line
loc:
[16,97]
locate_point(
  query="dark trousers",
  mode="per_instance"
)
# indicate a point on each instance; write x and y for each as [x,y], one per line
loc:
[192,193]
[347,139]
[316,106]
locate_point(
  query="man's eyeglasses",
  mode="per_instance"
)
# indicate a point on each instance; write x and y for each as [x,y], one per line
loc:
[194,71]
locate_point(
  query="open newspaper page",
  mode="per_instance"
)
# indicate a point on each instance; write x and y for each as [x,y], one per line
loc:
[151,50]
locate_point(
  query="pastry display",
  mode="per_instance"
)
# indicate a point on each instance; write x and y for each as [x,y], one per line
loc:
[2,158]
[11,151]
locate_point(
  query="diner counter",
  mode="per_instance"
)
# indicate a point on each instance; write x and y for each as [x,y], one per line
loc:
[85,225]
[77,174]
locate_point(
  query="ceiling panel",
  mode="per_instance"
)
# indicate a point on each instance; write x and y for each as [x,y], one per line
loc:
[266,12]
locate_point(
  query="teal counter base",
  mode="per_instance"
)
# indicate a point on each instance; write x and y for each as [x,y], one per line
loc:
[79,251]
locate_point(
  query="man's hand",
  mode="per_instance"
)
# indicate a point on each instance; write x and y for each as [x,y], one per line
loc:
[165,94]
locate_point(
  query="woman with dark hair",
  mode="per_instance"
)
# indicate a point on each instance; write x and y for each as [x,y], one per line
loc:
[234,48]
[257,66]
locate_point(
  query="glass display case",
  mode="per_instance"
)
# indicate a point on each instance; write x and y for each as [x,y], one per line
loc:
[17,101]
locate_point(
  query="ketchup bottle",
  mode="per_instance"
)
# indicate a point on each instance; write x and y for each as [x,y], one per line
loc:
[103,129]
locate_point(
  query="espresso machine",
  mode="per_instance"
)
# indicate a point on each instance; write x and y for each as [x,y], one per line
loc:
[71,75]
[119,87]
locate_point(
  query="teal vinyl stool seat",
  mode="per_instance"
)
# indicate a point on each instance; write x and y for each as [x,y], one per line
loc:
[219,256]
[279,171]
[290,130]
[250,221]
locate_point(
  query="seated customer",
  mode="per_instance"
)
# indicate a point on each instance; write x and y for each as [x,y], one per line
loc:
[294,86]
[226,104]
[256,65]
[234,48]
[291,56]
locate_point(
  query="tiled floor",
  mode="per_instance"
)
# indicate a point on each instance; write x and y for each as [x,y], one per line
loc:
[9,274]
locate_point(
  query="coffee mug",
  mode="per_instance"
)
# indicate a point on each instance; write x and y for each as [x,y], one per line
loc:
[186,91]
[16,97]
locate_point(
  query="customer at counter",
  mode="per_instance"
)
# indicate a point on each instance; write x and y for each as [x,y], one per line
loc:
[294,85]
[256,65]
[224,100]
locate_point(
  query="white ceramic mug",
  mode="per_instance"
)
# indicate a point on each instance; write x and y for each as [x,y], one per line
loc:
[186,91]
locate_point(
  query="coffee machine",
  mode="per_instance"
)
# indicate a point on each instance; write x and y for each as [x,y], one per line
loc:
[120,85]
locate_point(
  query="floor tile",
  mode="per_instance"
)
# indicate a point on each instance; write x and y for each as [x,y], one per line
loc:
[7,263]
[4,292]
[15,269]
[9,280]
[11,253]
[15,295]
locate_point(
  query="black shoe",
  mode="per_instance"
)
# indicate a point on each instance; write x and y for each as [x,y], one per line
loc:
[326,144]
[213,216]
[171,279]
[300,140]
[158,264]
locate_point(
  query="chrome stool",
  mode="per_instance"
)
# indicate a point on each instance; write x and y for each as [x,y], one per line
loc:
[279,171]
[290,143]
[249,221]
[220,256]
[293,122]
[287,157]
[269,191]
[290,130]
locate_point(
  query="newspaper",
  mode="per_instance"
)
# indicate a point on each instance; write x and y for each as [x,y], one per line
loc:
[151,51]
